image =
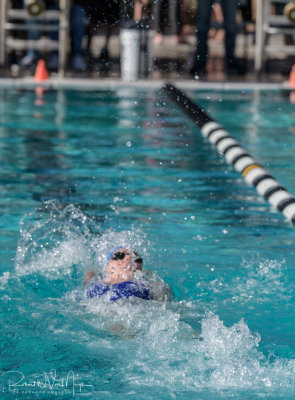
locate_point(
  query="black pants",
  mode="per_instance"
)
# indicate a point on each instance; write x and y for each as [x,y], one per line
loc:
[229,9]
[172,15]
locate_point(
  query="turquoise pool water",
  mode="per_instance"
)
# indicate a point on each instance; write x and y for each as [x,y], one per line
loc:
[88,169]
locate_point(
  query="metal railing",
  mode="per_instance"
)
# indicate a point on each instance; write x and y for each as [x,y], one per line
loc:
[268,24]
[47,21]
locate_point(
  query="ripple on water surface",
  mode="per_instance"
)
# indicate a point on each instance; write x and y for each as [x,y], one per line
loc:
[136,347]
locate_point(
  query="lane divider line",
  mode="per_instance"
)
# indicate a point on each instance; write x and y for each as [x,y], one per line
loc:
[253,172]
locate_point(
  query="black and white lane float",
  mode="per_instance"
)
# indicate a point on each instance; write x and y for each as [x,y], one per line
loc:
[235,154]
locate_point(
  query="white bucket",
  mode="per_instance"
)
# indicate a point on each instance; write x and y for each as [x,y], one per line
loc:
[130,46]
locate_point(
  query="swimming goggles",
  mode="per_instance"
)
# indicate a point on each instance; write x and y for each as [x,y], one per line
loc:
[120,255]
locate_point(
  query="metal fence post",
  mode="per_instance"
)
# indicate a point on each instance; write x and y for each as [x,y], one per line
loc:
[3,5]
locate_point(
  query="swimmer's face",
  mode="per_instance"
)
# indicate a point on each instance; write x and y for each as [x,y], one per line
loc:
[122,266]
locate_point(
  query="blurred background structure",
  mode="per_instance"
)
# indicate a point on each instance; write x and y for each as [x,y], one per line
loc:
[83,38]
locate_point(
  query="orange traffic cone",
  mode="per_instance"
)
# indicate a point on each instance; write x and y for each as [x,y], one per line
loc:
[41,73]
[292,77]
[292,97]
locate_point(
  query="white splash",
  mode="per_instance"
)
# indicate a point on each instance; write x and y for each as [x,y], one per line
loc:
[52,240]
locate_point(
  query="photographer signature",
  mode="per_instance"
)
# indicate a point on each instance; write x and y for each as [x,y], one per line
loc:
[46,380]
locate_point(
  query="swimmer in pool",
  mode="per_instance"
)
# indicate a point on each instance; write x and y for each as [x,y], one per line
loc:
[124,278]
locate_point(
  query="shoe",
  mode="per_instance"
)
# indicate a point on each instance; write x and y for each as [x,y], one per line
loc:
[79,63]
[53,61]
[104,55]
[236,67]
[27,61]
[104,61]
[198,72]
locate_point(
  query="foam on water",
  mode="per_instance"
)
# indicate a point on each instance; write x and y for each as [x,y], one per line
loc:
[161,351]
[172,346]
[221,358]
[256,280]
[262,279]
[52,240]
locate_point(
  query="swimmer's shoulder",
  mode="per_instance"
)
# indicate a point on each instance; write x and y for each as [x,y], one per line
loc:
[158,289]
[96,287]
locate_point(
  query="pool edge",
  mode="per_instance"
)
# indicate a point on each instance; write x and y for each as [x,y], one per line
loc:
[112,84]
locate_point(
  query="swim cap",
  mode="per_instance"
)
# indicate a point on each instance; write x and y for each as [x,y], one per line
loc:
[109,256]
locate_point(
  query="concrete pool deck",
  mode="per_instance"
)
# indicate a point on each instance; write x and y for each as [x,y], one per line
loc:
[56,83]
[172,63]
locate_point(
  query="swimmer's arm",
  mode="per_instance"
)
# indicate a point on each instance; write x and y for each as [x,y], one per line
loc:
[158,290]
[163,293]
[89,275]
